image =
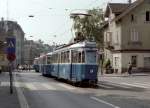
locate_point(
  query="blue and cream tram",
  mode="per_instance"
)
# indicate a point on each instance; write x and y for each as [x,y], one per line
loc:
[76,62]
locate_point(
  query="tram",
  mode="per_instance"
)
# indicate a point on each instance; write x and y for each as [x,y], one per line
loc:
[36,64]
[74,62]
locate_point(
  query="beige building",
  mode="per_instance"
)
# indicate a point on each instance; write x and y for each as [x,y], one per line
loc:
[127,35]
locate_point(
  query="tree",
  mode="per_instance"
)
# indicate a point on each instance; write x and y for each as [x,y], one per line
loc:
[89,26]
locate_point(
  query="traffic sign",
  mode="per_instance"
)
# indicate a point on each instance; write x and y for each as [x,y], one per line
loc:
[11,48]
[11,57]
[11,45]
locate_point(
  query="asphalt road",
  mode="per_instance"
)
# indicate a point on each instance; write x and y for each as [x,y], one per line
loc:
[42,92]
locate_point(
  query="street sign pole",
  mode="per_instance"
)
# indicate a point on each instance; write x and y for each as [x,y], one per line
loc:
[11,49]
[11,77]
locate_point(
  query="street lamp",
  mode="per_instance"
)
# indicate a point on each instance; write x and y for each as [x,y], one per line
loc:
[31,16]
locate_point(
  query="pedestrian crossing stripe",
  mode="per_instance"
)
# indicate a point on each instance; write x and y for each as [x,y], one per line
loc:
[135,85]
[144,85]
[66,86]
[5,83]
[30,86]
[48,87]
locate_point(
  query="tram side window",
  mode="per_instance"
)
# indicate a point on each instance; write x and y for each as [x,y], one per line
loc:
[52,58]
[62,57]
[44,60]
[67,57]
[83,57]
[49,60]
[55,58]
[76,57]
[79,57]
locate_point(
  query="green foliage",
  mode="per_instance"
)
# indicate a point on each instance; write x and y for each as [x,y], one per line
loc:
[90,26]
[107,63]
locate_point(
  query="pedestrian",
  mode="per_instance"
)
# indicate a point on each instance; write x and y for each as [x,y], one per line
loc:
[18,67]
[130,68]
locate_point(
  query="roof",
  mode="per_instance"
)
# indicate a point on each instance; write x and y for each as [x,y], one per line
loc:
[117,8]
[130,8]
[122,9]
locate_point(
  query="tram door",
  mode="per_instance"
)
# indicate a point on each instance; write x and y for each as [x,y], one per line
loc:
[77,60]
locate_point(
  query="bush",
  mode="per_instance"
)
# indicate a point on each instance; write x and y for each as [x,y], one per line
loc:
[107,63]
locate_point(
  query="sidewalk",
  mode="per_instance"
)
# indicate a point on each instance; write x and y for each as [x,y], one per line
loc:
[124,75]
[7,100]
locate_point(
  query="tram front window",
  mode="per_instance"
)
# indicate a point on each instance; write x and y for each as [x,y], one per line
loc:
[90,56]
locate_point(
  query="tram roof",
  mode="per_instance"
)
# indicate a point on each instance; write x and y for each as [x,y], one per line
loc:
[84,44]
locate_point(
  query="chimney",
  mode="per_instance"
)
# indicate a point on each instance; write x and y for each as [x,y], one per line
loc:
[129,1]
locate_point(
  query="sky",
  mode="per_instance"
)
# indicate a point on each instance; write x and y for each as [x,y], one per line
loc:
[51,22]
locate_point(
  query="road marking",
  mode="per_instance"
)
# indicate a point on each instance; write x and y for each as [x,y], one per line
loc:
[5,83]
[143,85]
[66,86]
[30,86]
[104,102]
[22,100]
[49,87]
[134,85]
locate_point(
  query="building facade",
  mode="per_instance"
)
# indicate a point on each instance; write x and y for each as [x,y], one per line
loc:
[127,35]
[33,49]
[29,50]
[11,29]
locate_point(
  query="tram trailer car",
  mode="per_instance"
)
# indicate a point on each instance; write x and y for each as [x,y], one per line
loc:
[48,66]
[76,63]
[44,65]
[36,64]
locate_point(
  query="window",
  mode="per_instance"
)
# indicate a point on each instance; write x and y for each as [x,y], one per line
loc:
[132,18]
[90,56]
[116,39]
[116,62]
[147,15]
[134,60]
[49,60]
[74,56]
[134,35]
[83,56]
[147,62]
[108,36]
